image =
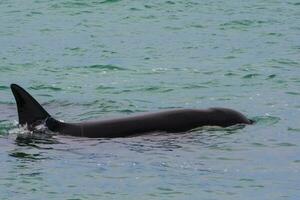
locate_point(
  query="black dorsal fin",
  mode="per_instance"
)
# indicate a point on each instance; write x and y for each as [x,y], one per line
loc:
[29,110]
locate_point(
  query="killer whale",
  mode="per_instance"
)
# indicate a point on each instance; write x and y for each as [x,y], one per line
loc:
[31,113]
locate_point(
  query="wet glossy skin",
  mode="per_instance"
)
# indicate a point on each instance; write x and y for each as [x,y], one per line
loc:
[180,120]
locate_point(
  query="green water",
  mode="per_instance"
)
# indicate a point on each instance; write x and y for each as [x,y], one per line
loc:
[87,60]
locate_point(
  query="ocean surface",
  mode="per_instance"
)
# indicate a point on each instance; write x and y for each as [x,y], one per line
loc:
[87,60]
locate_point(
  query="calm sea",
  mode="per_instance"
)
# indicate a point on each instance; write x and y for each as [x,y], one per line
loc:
[87,60]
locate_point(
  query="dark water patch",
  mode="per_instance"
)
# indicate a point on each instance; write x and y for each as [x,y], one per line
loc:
[46,30]
[294,129]
[293,93]
[173,28]
[131,111]
[257,186]
[149,6]
[156,89]
[38,142]
[296,47]
[294,3]
[229,159]
[271,76]
[249,76]
[134,9]
[109,1]
[106,67]
[167,108]
[275,34]
[229,57]
[75,4]
[85,12]
[102,87]
[198,26]
[194,86]
[75,49]
[257,144]
[26,156]
[190,47]
[32,174]
[32,13]
[168,191]
[170,2]
[110,52]
[3,87]
[230,74]
[52,69]
[127,111]
[45,87]
[246,180]
[211,83]
[122,91]
[78,198]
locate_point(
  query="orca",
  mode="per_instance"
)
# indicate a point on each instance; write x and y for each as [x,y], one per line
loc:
[31,113]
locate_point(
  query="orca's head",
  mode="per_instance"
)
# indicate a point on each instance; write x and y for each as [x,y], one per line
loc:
[229,117]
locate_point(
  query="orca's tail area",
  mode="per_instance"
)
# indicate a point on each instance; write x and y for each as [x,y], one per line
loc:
[29,110]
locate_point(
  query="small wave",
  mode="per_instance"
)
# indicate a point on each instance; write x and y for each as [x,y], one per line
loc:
[102,87]
[110,1]
[228,130]
[39,134]
[32,139]
[157,88]
[5,126]
[286,62]
[6,69]
[3,87]
[71,4]
[285,144]
[26,156]
[250,76]
[271,76]
[106,67]
[44,87]
[294,129]
[275,34]
[295,4]
[293,93]
[194,86]
[240,24]
[266,120]
[230,74]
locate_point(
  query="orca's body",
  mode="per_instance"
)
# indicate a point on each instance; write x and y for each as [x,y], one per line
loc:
[180,120]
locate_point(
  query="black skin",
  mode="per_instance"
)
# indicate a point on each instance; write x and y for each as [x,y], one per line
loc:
[177,120]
